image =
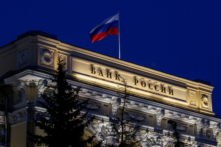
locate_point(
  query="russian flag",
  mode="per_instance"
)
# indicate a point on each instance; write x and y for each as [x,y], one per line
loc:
[107,27]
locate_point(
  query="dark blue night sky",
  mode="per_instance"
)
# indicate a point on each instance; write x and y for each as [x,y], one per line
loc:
[179,37]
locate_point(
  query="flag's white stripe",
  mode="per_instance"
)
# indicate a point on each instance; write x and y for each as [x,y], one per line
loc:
[109,20]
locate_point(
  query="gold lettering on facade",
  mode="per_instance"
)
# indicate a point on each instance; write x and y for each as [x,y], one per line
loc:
[109,74]
[100,73]
[135,81]
[170,90]
[117,76]
[143,84]
[163,89]
[156,87]
[150,86]
[93,70]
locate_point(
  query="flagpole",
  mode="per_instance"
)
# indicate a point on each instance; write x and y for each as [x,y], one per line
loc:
[119,33]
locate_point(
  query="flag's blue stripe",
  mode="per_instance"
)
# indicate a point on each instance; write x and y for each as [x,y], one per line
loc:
[105,28]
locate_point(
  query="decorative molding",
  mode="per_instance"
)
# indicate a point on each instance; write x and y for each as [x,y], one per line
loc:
[115,104]
[216,129]
[205,101]
[202,126]
[22,58]
[42,85]
[192,93]
[168,140]
[20,89]
[94,106]
[64,58]
[151,139]
[182,128]
[47,57]
[133,116]
[159,115]
[206,124]
[192,97]
[209,133]
[105,95]
[199,126]
[99,95]
[104,132]
[20,85]
[100,130]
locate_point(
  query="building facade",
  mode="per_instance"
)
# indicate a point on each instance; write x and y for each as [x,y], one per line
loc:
[155,97]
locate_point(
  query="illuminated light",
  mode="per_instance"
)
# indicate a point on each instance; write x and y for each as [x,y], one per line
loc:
[117,86]
[164,98]
[97,80]
[175,101]
[140,91]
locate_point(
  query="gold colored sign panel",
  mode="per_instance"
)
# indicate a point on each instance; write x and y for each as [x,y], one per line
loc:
[98,73]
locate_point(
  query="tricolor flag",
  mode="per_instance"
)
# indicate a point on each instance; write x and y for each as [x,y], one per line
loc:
[107,27]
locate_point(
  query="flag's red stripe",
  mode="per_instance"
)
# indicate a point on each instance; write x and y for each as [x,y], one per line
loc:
[111,31]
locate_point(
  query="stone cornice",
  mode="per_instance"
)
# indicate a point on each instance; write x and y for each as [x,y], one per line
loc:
[110,94]
[27,72]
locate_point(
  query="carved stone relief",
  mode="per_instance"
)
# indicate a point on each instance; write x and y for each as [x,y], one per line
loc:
[205,101]
[47,57]
[41,87]
[21,85]
[202,126]
[20,89]
[199,126]
[96,128]
[206,124]
[192,96]
[105,133]
[152,139]
[216,129]
[64,59]
[209,133]
[115,104]
[22,58]
[168,140]
[159,115]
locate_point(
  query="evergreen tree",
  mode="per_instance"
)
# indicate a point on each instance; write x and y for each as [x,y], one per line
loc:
[63,122]
[176,134]
[124,126]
